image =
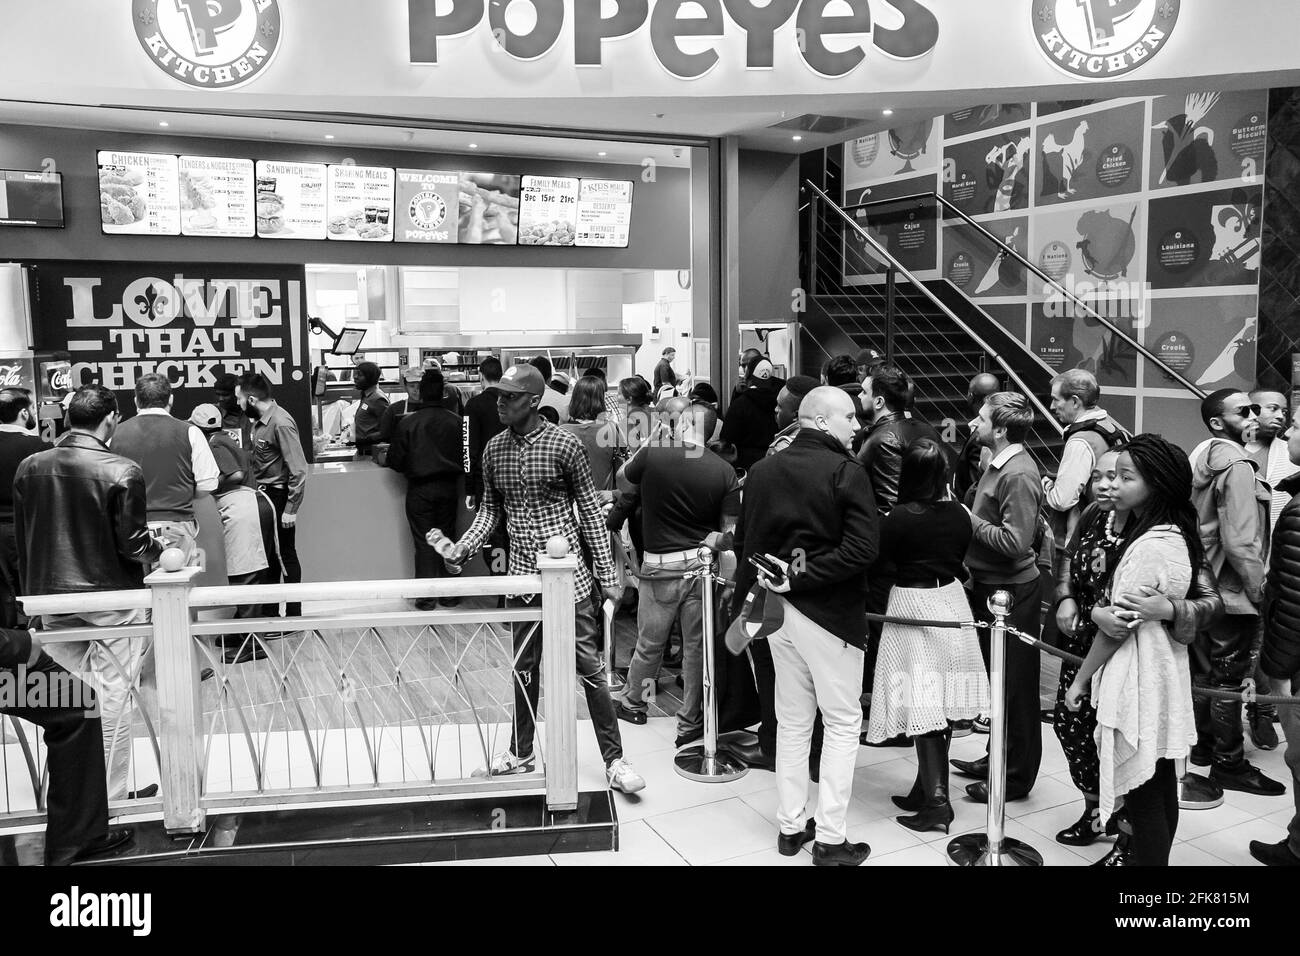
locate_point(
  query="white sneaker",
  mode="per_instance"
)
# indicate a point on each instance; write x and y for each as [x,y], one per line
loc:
[506,763]
[621,776]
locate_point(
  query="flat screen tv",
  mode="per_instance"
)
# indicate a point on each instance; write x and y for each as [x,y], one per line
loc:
[31,198]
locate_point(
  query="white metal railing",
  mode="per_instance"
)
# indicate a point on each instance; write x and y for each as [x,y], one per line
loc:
[345,707]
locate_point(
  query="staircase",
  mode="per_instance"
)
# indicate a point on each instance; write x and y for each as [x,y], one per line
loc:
[930,329]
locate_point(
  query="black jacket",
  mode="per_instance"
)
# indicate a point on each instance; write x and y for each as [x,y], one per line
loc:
[830,521]
[427,445]
[1280,656]
[79,520]
[882,454]
[750,424]
[15,648]
[482,424]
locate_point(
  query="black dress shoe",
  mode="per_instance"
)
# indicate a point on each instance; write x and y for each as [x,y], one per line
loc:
[979,792]
[1247,779]
[628,714]
[1118,856]
[242,655]
[1262,734]
[206,674]
[110,841]
[846,854]
[144,793]
[752,756]
[901,740]
[789,844]
[977,769]
[688,738]
[1273,854]
[1085,831]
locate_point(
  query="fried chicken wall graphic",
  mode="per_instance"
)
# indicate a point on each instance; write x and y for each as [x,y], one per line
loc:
[1062,162]
[1188,146]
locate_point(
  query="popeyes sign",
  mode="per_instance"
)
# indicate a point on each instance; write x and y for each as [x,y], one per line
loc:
[827,33]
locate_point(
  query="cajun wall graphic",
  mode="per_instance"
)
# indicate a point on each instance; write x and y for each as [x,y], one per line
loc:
[190,322]
[989,174]
[1208,137]
[1090,157]
[1206,239]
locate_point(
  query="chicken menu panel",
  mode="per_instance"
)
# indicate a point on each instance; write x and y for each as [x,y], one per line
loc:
[139,194]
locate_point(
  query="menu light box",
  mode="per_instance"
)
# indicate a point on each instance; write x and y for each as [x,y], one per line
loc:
[290,201]
[604,213]
[29,198]
[217,197]
[548,211]
[139,194]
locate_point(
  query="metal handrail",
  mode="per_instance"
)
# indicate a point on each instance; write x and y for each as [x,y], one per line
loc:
[1010,250]
[934,299]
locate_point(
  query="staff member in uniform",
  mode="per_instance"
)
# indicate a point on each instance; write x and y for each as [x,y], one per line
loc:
[280,468]
[370,407]
[427,450]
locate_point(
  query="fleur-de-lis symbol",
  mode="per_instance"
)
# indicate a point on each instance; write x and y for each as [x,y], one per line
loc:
[151,303]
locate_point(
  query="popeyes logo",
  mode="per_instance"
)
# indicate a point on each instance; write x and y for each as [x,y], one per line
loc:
[1103,39]
[209,44]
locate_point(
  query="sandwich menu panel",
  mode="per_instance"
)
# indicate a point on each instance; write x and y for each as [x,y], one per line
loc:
[291,200]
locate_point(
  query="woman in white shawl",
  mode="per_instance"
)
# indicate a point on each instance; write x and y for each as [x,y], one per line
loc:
[1136,674]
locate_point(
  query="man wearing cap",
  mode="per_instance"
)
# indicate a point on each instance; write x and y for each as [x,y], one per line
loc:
[750,424]
[395,411]
[427,449]
[787,410]
[868,360]
[371,405]
[241,523]
[538,475]
[664,374]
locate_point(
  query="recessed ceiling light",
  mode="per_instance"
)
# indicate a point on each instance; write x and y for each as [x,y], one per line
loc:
[888,112]
[602,153]
[797,137]
[164,123]
[329,135]
[473,145]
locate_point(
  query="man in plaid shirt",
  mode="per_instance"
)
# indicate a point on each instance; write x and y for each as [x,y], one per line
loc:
[536,473]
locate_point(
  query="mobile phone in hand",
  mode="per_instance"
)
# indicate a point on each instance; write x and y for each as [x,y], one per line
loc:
[768,566]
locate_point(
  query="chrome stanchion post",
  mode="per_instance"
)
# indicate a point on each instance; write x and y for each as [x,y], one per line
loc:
[995,848]
[707,762]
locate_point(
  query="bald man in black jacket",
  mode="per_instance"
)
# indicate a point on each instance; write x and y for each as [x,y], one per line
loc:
[76,819]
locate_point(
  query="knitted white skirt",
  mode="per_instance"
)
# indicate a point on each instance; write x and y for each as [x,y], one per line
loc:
[927,676]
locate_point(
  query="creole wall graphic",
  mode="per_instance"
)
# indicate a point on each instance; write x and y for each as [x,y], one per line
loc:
[989,174]
[1208,137]
[1206,239]
[1090,157]
[1209,339]
[972,263]
[191,322]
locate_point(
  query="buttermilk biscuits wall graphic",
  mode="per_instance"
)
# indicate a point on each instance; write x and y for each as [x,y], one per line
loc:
[209,45]
[1103,39]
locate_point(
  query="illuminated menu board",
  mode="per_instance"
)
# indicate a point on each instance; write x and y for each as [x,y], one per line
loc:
[290,200]
[548,211]
[217,196]
[427,205]
[139,194]
[360,205]
[604,213]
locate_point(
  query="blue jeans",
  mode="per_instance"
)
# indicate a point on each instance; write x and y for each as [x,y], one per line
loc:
[664,596]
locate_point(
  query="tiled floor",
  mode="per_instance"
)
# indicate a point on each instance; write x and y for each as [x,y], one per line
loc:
[678,822]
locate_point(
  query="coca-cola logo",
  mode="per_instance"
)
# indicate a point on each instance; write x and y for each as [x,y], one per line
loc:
[61,379]
[11,376]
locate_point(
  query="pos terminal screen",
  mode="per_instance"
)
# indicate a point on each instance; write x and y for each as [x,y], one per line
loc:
[349,341]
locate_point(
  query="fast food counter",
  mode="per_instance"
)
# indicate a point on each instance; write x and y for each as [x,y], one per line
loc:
[352,525]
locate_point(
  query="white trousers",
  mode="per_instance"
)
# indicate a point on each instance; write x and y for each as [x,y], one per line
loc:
[815,670]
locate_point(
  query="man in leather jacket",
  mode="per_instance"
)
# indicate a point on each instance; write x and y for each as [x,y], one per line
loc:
[80,523]
[884,399]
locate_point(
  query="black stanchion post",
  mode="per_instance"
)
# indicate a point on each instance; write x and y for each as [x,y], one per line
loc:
[707,762]
[995,848]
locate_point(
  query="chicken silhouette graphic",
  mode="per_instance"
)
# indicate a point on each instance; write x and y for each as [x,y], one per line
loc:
[1062,161]
[1237,358]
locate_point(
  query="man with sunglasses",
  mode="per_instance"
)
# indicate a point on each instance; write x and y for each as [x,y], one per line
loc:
[1232,504]
[535,477]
